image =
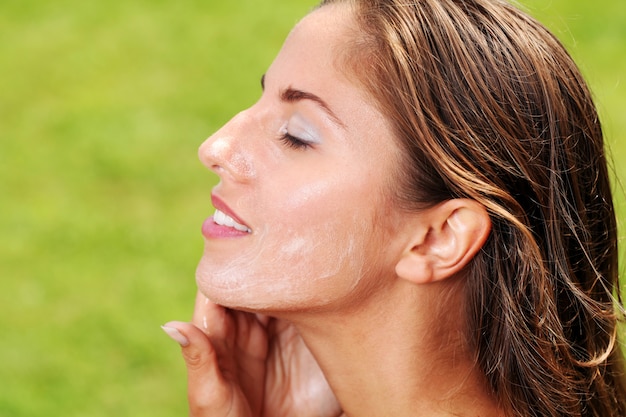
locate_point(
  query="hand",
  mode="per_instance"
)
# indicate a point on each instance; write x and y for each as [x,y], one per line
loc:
[245,365]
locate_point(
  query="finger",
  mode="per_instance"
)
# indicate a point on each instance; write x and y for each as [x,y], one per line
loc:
[208,392]
[211,318]
[263,319]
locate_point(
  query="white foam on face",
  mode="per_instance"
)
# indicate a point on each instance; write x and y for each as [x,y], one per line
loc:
[311,265]
[294,247]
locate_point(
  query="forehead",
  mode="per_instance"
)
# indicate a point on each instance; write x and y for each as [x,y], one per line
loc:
[313,59]
[317,42]
[332,20]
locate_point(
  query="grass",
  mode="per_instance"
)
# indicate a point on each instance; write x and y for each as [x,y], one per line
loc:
[102,108]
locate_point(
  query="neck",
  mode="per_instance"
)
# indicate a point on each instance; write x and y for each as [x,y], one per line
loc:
[382,359]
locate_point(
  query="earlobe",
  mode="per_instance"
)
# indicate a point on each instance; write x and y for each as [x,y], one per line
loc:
[456,230]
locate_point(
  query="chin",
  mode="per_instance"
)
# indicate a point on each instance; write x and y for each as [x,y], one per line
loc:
[238,295]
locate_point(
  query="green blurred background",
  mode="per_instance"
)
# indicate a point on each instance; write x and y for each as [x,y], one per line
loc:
[102,108]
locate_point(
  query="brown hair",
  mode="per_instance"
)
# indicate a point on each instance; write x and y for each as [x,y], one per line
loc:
[488,105]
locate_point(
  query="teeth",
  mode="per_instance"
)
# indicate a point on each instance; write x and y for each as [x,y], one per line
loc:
[224,220]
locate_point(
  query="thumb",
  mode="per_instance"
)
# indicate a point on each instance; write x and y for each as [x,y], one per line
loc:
[208,392]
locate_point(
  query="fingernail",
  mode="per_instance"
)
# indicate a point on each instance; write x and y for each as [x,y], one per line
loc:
[176,335]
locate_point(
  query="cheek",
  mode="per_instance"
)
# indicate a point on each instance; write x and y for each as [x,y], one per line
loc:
[321,226]
[315,243]
[323,250]
[291,268]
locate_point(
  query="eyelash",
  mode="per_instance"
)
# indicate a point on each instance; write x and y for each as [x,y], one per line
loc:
[293,142]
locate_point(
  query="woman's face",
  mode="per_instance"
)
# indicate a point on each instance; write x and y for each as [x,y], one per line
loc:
[314,217]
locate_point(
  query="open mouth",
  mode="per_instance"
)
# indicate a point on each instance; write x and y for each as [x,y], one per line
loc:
[225,220]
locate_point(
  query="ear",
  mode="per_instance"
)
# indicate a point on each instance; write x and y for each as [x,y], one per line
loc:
[449,236]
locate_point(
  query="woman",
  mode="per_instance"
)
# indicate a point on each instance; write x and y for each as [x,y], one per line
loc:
[415,219]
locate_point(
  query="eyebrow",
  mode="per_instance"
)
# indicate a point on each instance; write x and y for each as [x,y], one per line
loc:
[292,95]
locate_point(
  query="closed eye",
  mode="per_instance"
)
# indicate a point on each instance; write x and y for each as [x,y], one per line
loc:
[293,142]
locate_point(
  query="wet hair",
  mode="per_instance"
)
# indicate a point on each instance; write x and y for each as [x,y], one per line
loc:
[488,105]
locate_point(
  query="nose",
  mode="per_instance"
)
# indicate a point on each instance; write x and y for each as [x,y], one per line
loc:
[226,152]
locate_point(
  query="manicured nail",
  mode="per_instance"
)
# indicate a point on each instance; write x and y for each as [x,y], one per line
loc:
[176,335]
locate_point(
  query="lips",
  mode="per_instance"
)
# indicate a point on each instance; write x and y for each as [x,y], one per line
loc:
[224,223]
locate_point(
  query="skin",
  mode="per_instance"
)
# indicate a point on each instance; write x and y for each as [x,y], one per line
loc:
[327,203]
[337,302]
